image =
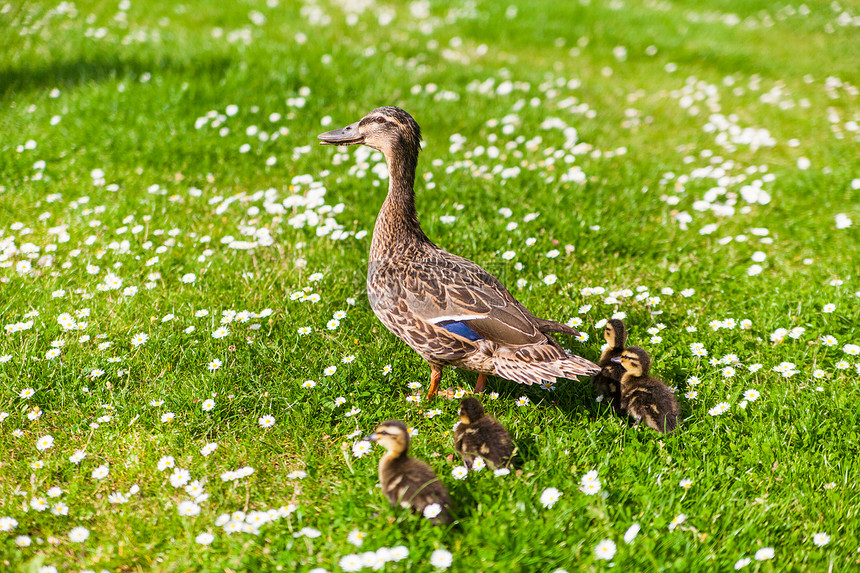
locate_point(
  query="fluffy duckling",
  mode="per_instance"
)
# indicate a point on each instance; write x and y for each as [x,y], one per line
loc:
[407,481]
[607,382]
[644,397]
[480,435]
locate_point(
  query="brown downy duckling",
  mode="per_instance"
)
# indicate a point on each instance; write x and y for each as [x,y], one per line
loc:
[644,397]
[480,435]
[608,381]
[406,481]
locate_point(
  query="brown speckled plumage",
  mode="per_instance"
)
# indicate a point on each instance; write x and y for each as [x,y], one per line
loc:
[423,294]
[608,381]
[479,435]
[646,398]
[406,481]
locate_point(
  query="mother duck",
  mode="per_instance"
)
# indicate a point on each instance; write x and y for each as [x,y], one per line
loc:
[448,309]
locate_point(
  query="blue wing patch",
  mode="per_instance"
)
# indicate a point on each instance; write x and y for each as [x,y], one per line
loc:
[460,328]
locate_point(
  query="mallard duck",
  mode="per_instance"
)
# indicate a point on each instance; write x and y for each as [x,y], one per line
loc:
[607,382]
[644,397]
[448,309]
[406,481]
[481,436]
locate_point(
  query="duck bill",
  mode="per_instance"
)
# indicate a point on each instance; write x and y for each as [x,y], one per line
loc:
[371,438]
[348,135]
[617,359]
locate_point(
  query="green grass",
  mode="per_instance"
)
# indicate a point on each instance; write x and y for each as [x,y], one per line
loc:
[130,90]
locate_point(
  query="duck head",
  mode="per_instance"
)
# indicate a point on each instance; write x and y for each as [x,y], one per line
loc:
[471,410]
[391,435]
[635,361]
[615,333]
[387,129]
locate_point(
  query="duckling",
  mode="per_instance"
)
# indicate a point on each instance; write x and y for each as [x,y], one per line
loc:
[607,382]
[407,481]
[644,397]
[479,435]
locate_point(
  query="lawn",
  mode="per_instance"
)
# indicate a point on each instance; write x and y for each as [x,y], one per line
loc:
[188,358]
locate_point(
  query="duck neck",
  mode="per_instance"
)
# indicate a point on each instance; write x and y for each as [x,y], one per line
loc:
[392,455]
[629,380]
[397,223]
[606,356]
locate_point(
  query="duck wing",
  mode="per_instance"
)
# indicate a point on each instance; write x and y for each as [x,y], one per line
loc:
[459,296]
[448,308]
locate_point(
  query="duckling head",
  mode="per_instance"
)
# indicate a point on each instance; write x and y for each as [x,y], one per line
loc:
[615,333]
[635,361]
[391,435]
[471,410]
[387,129]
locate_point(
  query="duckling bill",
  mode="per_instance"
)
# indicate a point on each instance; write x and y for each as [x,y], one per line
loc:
[480,435]
[643,397]
[608,382]
[407,481]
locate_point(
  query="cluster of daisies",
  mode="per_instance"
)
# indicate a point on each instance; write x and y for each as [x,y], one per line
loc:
[607,548]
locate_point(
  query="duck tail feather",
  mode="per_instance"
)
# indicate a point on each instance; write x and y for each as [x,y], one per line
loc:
[551,327]
[528,366]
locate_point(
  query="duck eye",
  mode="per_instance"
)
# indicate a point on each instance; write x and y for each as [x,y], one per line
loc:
[380,120]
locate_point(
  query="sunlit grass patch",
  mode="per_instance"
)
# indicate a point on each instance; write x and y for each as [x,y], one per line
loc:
[188,361]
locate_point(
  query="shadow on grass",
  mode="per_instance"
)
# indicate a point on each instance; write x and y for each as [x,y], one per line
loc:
[84,70]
